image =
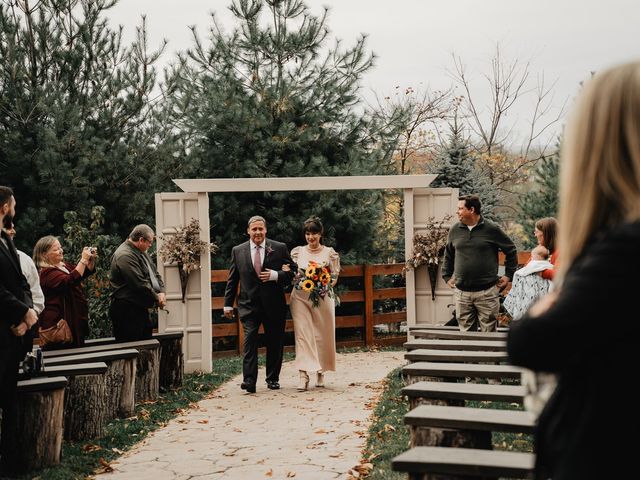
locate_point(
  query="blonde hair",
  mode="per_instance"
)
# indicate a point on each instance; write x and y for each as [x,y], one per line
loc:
[40,251]
[600,167]
[540,251]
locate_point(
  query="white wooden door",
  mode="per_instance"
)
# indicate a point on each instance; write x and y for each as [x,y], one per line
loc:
[419,205]
[193,317]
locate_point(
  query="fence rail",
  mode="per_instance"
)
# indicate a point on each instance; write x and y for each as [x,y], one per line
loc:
[367,320]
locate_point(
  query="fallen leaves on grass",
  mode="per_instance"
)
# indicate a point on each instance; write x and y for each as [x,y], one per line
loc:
[91,447]
[105,467]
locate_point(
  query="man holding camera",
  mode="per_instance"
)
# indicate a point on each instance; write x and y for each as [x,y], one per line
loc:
[137,287]
[16,320]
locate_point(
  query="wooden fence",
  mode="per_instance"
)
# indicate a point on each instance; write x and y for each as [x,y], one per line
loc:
[366,321]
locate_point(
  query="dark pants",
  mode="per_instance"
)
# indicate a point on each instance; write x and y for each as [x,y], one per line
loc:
[9,363]
[130,322]
[274,339]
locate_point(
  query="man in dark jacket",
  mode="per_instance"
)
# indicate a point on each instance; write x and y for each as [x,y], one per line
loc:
[257,267]
[471,266]
[16,319]
[137,287]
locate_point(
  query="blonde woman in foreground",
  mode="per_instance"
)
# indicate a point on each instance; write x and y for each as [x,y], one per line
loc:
[587,330]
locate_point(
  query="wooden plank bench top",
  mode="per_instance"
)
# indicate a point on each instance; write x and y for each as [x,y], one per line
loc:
[91,368]
[111,340]
[465,461]
[465,391]
[457,335]
[467,418]
[41,384]
[455,328]
[459,370]
[106,356]
[101,348]
[486,345]
[432,355]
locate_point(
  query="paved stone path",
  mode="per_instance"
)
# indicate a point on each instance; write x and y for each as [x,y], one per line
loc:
[281,434]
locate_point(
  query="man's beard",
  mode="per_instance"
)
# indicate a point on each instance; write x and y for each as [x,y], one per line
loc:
[7,221]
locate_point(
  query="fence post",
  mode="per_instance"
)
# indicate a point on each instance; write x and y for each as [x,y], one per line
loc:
[368,306]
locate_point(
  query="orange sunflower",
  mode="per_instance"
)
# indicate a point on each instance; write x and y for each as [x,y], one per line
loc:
[307,285]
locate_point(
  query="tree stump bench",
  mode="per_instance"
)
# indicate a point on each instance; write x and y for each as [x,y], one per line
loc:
[84,399]
[39,417]
[433,371]
[430,463]
[147,372]
[436,425]
[458,335]
[458,356]
[171,357]
[120,378]
[439,344]
[421,393]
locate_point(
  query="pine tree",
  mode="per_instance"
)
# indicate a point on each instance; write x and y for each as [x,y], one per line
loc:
[455,166]
[269,99]
[75,109]
[543,200]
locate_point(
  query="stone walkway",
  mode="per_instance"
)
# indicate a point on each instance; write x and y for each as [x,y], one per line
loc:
[314,435]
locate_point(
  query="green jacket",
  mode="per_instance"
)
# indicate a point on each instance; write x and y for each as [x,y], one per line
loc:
[130,278]
[471,256]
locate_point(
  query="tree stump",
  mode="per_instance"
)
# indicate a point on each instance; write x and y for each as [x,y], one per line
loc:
[85,407]
[39,416]
[171,360]
[147,383]
[121,386]
[443,437]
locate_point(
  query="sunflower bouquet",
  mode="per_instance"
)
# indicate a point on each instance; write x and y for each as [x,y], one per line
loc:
[317,280]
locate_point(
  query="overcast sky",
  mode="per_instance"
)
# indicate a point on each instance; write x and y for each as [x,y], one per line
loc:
[413,39]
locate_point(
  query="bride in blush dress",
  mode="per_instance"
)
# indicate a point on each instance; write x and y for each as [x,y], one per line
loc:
[314,327]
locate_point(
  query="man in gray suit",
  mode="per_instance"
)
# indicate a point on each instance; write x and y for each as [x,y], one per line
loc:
[256,265]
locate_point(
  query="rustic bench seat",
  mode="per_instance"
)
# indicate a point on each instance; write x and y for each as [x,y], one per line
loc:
[458,335]
[414,371]
[473,356]
[84,400]
[455,328]
[449,426]
[439,344]
[39,419]
[147,385]
[461,392]
[467,418]
[472,463]
[171,357]
[120,378]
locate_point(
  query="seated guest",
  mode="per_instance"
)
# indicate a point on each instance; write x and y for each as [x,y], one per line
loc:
[61,284]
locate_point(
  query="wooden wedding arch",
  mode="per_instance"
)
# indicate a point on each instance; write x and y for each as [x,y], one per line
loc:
[193,316]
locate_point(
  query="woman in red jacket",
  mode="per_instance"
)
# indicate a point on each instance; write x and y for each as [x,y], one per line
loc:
[61,284]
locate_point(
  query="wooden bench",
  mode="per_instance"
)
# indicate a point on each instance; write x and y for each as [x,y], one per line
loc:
[171,357]
[425,371]
[39,417]
[420,462]
[84,398]
[455,328]
[473,356]
[120,379]
[448,426]
[486,345]
[451,392]
[147,383]
[457,335]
